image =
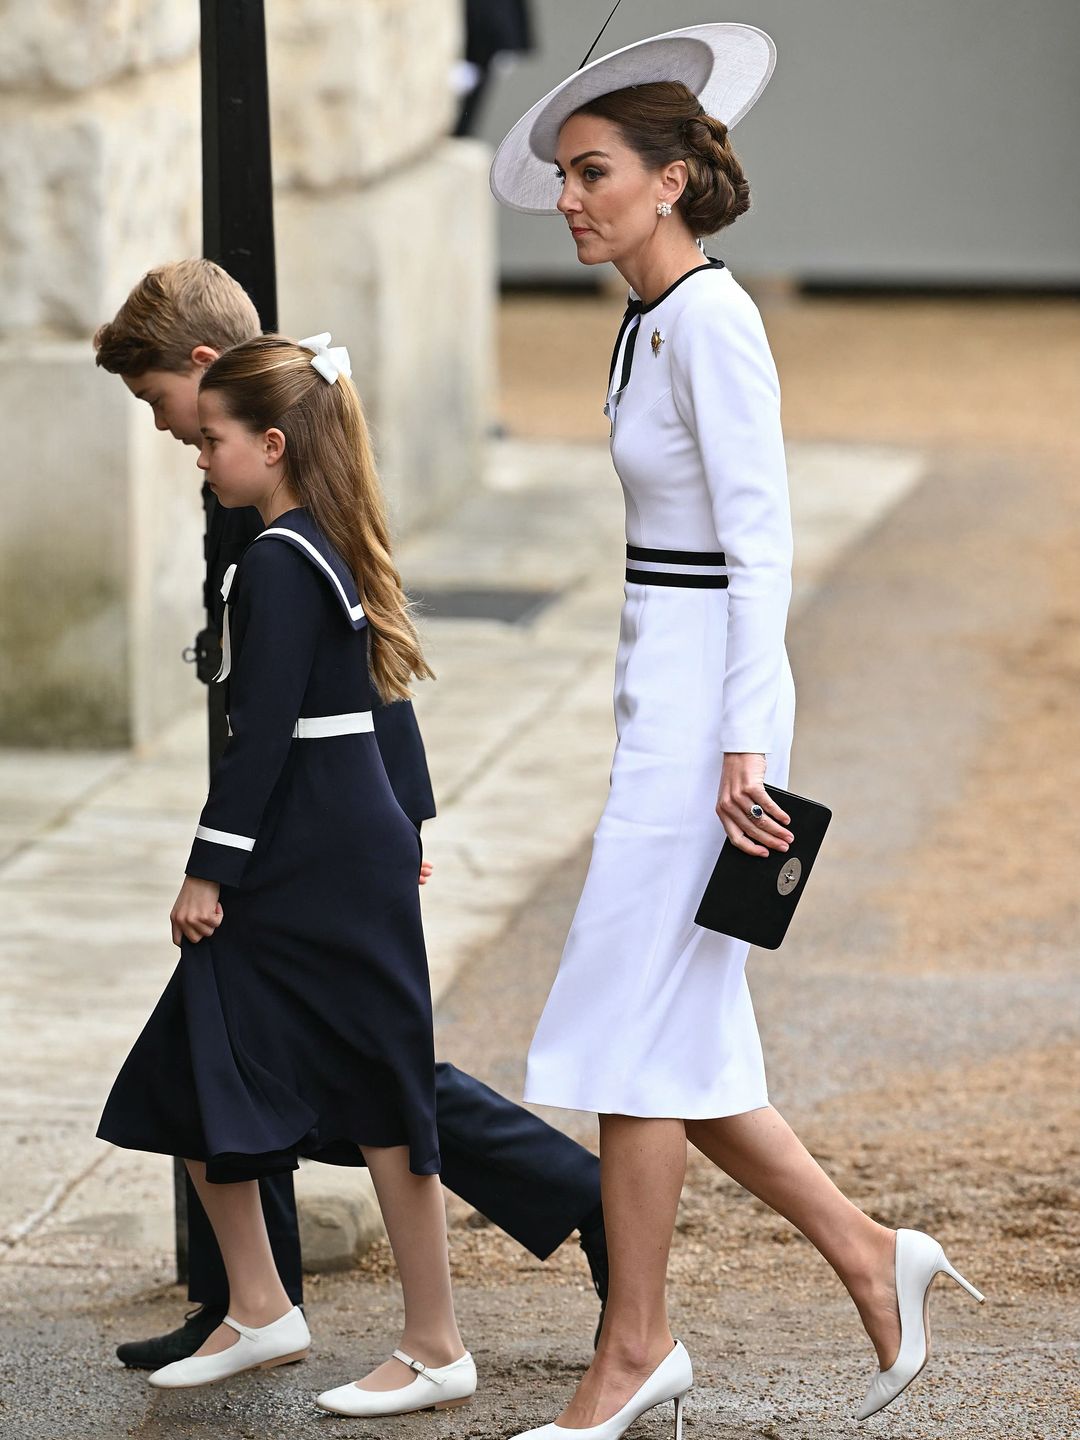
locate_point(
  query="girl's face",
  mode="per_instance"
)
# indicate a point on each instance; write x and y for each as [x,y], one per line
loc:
[242,466]
[609,198]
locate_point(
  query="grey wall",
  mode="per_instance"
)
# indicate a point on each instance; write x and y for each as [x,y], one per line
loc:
[909,141]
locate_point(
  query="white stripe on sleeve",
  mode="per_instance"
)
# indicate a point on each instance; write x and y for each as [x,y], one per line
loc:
[225,837]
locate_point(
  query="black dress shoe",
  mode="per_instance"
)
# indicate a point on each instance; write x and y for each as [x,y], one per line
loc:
[178,1344]
[593,1241]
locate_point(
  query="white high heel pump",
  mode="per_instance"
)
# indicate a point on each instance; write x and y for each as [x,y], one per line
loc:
[671,1380]
[919,1258]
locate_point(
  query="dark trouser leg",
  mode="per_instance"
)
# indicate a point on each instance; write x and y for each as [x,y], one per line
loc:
[207,1284]
[528,1178]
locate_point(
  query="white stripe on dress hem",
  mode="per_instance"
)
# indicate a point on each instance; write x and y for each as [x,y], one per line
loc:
[225,837]
[356,612]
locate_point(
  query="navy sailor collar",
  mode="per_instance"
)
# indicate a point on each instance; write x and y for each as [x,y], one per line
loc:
[298,529]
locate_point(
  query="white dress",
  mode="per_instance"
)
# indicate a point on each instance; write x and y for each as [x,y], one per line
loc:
[649,1013]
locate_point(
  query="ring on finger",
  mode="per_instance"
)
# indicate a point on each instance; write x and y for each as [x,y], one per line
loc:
[756,812]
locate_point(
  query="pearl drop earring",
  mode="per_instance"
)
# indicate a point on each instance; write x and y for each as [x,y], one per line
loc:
[663,209]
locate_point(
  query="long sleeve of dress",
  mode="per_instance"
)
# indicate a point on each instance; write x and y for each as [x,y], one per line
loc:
[403,755]
[726,391]
[280,606]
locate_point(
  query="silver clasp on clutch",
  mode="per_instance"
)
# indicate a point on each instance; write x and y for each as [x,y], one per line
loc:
[789,876]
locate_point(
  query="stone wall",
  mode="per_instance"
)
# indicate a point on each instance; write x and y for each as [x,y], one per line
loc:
[99,553]
[384,231]
[400,271]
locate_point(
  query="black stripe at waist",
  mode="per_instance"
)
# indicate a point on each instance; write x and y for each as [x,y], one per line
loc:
[676,557]
[681,582]
[679,569]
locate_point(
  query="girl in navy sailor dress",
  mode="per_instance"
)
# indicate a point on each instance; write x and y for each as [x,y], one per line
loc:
[298,1021]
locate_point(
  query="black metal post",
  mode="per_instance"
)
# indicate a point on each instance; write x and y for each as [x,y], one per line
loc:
[238,233]
[238,202]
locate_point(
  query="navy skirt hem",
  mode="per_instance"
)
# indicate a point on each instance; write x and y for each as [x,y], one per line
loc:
[230,1168]
[192,1087]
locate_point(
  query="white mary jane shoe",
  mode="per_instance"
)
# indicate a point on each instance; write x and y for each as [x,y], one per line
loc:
[432,1388]
[671,1380]
[279,1343]
[919,1258]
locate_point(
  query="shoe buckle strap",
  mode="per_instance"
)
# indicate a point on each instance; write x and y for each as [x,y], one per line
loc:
[245,1330]
[419,1367]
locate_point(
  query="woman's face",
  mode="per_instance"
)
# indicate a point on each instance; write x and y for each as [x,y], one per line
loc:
[242,466]
[609,198]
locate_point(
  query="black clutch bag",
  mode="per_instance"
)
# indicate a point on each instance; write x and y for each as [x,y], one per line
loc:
[753,898]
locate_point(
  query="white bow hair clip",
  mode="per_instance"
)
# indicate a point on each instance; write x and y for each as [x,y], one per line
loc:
[330,363]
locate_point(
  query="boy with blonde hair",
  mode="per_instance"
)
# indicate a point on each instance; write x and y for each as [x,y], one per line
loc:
[528,1178]
[176,320]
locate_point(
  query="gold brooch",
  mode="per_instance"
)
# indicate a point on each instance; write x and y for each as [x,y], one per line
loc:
[657,341]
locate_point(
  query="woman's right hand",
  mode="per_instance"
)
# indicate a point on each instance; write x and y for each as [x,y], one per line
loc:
[197,912]
[742,784]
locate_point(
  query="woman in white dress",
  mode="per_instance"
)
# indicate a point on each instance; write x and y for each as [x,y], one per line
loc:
[649,1021]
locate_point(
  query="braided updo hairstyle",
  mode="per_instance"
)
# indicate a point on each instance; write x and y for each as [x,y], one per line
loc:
[664,121]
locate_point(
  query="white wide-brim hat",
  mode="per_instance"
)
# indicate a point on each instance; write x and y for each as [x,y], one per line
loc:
[726,66]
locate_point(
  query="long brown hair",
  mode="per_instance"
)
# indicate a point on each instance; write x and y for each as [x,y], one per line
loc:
[270,383]
[664,121]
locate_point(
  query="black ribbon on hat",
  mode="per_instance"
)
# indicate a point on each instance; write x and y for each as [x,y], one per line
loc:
[596,42]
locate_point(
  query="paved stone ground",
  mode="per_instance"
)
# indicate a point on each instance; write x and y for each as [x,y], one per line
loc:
[920,1024]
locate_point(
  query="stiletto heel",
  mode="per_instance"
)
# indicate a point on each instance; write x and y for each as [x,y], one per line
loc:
[919,1259]
[671,1380]
[954,1274]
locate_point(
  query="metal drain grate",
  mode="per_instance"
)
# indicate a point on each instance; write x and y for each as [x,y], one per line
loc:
[508,607]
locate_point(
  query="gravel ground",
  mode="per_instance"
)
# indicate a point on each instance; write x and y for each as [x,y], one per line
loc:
[920,1024]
